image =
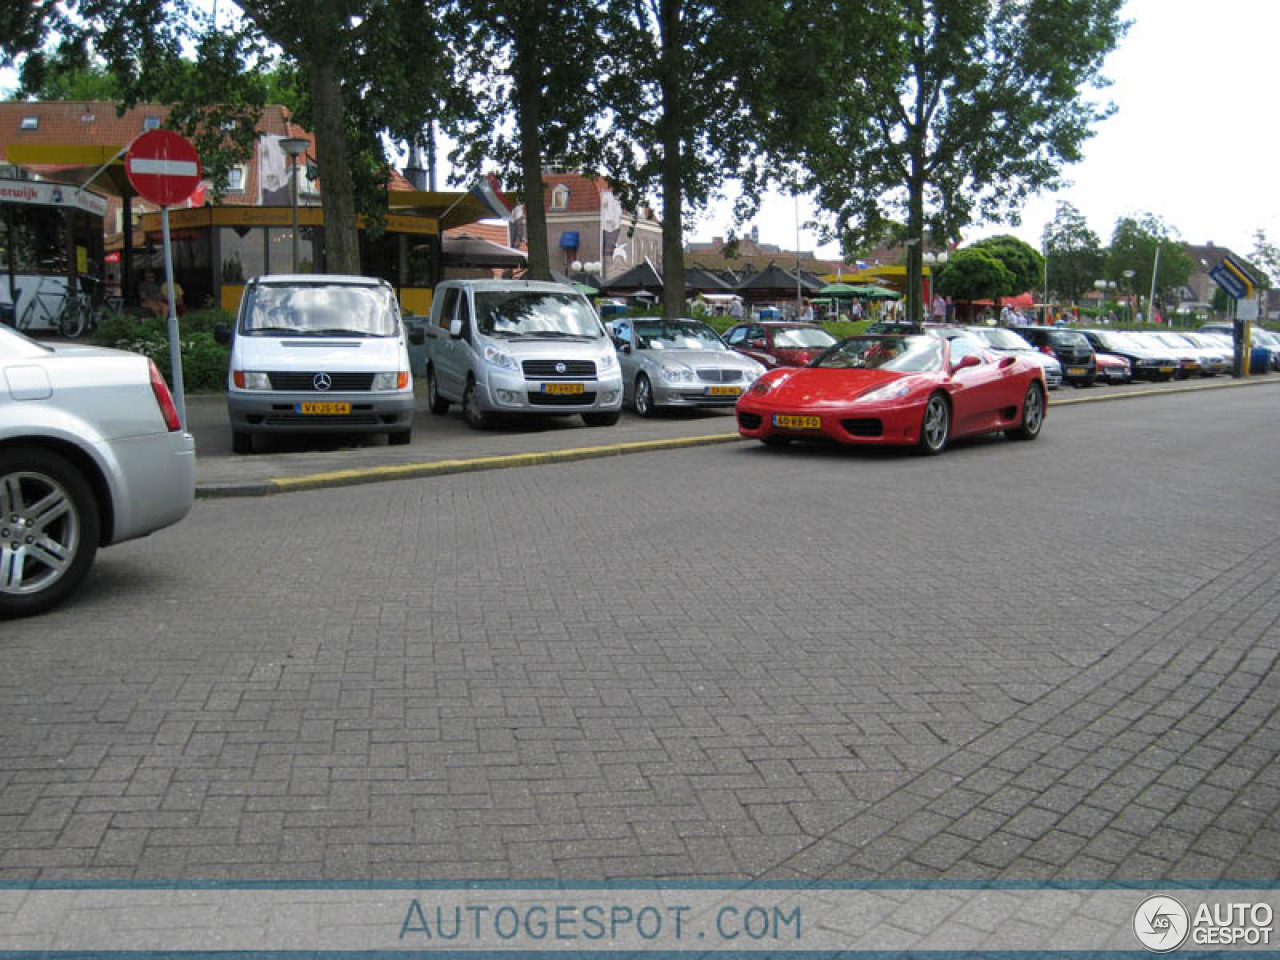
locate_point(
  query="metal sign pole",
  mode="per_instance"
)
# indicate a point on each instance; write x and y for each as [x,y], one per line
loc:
[175,347]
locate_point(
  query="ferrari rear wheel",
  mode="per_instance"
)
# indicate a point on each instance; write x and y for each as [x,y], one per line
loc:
[1032,416]
[935,429]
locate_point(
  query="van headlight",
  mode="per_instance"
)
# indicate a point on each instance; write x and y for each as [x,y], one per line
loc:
[500,360]
[393,380]
[251,380]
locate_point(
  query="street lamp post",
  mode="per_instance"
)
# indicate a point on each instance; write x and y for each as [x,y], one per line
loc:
[931,260]
[1128,283]
[293,146]
[1103,286]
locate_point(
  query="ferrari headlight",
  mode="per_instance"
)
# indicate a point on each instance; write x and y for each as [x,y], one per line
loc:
[890,391]
[762,387]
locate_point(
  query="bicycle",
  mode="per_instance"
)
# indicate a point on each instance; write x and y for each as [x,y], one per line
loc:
[70,317]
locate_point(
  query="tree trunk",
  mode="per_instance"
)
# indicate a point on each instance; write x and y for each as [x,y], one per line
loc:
[528,95]
[341,236]
[915,246]
[672,124]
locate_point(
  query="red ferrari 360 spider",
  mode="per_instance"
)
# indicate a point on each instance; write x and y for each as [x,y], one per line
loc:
[878,389]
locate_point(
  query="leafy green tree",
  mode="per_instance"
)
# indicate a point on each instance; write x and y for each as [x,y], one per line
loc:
[678,81]
[1074,253]
[364,67]
[974,273]
[529,80]
[1132,256]
[71,77]
[1266,259]
[986,103]
[1020,259]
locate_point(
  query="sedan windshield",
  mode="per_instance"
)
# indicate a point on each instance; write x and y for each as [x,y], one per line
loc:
[677,335]
[906,354]
[540,314]
[1002,339]
[321,310]
[800,338]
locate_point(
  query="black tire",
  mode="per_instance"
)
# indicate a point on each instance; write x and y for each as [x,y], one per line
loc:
[43,557]
[774,440]
[435,403]
[1033,412]
[476,418]
[73,321]
[241,442]
[602,418]
[935,426]
[642,397]
[401,439]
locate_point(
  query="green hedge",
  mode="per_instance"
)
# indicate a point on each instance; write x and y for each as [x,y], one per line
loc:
[204,360]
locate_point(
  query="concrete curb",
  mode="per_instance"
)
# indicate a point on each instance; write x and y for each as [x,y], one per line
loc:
[407,471]
[439,468]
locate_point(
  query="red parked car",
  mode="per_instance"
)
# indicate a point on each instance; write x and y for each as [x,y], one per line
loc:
[1113,369]
[778,343]
[883,389]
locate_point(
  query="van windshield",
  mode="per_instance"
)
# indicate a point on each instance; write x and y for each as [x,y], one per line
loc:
[321,310]
[535,314]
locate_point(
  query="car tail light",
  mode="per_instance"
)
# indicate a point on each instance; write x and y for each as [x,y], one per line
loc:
[403,380]
[164,399]
[1048,350]
[237,377]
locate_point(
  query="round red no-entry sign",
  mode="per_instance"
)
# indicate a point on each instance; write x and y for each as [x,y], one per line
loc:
[163,167]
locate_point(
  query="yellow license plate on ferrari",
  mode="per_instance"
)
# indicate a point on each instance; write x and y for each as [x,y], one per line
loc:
[324,409]
[723,391]
[564,389]
[797,423]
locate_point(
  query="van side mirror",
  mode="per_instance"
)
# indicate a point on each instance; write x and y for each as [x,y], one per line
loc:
[455,328]
[222,334]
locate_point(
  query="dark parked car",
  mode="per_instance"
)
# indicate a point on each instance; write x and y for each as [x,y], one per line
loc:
[1074,352]
[1145,363]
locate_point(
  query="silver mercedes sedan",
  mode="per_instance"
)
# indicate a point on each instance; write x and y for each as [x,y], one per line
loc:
[92,453]
[678,363]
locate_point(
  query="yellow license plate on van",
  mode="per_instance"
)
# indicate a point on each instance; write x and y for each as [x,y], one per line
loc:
[797,423]
[569,389]
[723,391]
[324,409]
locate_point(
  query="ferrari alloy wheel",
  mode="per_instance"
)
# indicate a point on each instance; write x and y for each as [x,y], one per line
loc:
[936,426]
[643,399]
[1032,416]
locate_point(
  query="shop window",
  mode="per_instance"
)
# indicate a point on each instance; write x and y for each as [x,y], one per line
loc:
[280,249]
[243,253]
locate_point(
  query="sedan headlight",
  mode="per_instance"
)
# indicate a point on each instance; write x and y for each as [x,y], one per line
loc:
[756,371]
[890,391]
[676,374]
[501,360]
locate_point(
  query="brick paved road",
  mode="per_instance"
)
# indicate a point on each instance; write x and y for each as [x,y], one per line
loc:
[1023,661]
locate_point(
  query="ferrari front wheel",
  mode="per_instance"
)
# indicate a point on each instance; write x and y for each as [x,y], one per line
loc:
[1032,416]
[935,428]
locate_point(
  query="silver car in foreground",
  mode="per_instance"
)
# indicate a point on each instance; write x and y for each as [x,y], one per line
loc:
[91,454]
[679,363]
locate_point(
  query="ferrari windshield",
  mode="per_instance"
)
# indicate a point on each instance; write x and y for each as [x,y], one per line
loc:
[677,335]
[801,338]
[540,314]
[321,310]
[918,354]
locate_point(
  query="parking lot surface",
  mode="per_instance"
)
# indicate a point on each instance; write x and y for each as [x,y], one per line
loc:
[1016,661]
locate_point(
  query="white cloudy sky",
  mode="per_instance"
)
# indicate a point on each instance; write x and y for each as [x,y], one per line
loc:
[1194,140]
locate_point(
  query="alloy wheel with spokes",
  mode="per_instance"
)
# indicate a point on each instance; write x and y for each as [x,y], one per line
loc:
[643,399]
[1033,410]
[936,426]
[49,528]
